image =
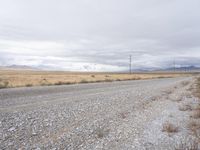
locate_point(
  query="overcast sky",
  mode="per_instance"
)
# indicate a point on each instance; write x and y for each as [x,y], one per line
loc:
[99,35]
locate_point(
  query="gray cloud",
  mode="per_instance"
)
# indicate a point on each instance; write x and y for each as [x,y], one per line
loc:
[99,34]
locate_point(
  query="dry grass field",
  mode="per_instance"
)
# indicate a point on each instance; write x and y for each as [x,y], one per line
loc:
[22,78]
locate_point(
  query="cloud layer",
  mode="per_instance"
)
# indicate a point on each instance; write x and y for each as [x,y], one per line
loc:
[98,35]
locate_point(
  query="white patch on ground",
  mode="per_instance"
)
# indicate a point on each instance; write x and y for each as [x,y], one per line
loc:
[154,138]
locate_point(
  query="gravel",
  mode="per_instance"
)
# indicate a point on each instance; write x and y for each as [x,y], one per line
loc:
[117,115]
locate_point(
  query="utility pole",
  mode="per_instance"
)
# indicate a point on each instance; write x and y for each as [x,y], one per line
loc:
[130,65]
[174,65]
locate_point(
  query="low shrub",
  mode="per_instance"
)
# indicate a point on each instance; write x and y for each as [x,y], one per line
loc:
[29,85]
[169,128]
[3,84]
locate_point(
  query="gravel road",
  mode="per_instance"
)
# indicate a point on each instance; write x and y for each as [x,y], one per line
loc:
[117,115]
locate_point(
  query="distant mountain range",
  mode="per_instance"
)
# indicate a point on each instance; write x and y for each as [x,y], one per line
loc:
[186,68]
[18,67]
[87,68]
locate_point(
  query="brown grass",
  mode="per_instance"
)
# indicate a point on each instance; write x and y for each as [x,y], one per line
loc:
[20,78]
[196,114]
[196,89]
[3,84]
[194,125]
[169,128]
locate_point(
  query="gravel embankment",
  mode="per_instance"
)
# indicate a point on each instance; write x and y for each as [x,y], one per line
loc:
[118,115]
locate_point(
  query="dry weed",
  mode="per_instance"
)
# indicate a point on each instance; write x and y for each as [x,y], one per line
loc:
[194,125]
[101,132]
[29,85]
[169,128]
[185,108]
[196,114]
[93,76]
[3,84]
[185,83]
[123,115]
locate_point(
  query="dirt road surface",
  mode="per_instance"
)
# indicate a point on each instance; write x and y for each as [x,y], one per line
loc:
[116,115]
